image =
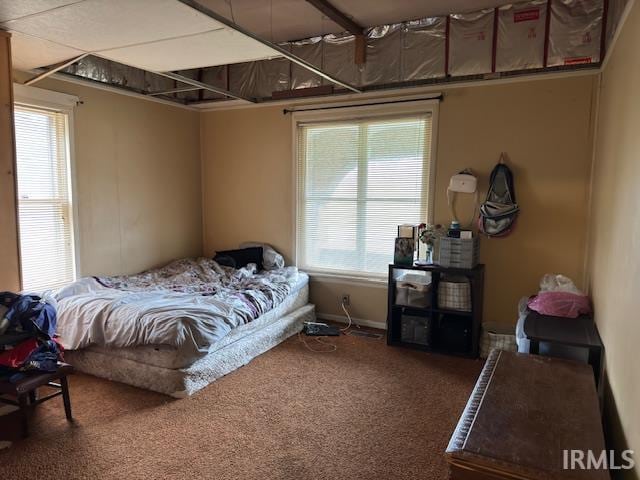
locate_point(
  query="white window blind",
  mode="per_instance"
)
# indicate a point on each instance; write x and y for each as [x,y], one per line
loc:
[44,198]
[357,181]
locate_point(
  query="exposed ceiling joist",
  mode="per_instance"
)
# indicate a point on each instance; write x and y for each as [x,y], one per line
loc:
[348,24]
[286,54]
[205,86]
[54,69]
[337,16]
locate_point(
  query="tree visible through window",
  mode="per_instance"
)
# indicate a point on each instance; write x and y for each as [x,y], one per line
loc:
[44,198]
[357,181]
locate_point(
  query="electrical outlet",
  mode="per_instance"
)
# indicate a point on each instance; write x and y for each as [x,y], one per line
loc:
[346,300]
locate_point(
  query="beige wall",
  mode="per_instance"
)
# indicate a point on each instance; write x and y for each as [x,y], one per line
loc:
[614,265]
[544,125]
[137,167]
[9,266]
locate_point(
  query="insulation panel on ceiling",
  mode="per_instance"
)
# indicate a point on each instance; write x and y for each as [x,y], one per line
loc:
[521,36]
[411,51]
[243,78]
[471,43]
[272,76]
[310,50]
[383,65]
[574,32]
[420,37]
[338,54]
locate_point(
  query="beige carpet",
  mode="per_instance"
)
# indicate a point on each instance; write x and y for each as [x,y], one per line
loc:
[365,411]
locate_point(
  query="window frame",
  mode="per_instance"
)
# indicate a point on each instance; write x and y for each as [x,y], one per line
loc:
[38,98]
[353,113]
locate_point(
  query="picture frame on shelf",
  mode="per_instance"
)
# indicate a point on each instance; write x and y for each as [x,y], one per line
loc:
[404,251]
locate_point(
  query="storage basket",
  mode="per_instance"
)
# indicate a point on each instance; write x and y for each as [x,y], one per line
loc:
[454,294]
[459,252]
[413,290]
[414,329]
[496,337]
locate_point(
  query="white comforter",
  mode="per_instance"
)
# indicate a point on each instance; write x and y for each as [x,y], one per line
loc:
[190,303]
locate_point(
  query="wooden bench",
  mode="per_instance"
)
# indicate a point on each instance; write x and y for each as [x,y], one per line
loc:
[25,392]
[524,414]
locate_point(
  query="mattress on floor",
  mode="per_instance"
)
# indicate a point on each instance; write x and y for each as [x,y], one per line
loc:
[165,356]
[182,382]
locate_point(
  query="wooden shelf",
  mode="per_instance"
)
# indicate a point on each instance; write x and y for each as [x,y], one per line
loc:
[440,323]
[458,313]
[437,268]
[431,310]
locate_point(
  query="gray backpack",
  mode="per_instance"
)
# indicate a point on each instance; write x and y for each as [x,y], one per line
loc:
[499,211]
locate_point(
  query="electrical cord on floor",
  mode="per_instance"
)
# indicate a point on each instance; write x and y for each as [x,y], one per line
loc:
[319,340]
[345,329]
[357,333]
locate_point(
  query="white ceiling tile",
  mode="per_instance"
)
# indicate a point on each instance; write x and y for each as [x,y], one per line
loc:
[30,52]
[12,9]
[94,25]
[203,50]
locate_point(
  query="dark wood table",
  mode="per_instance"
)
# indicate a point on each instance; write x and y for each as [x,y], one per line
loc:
[574,332]
[525,412]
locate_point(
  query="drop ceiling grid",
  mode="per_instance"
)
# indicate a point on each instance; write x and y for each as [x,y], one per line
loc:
[13,9]
[156,35]
[95,25]
[29,52]
[219,47]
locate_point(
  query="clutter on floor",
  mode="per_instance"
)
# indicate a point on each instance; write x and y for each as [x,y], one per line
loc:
[27,340]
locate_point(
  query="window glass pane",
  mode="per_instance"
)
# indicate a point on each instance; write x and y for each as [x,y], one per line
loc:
[395,154]
[44,199]
[357,181]
[332,165]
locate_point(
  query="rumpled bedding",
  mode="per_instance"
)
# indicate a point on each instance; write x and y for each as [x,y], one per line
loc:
[189,303]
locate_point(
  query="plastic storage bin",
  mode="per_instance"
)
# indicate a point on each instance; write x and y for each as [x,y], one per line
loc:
[413,290]
[459,252]
[415,329]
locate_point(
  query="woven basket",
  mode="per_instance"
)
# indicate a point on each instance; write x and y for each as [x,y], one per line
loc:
[496,340]
[454,295]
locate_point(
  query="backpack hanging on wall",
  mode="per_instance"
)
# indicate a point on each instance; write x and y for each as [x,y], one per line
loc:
[499,211]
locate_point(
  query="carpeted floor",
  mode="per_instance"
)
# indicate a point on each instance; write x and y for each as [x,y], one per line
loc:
[365,411]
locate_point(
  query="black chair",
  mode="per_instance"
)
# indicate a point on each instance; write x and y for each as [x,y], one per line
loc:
[25,392]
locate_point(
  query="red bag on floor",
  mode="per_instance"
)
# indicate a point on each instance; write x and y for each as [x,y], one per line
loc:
[560,304]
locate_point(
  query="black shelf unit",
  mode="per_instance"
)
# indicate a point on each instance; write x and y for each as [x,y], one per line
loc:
[439,319]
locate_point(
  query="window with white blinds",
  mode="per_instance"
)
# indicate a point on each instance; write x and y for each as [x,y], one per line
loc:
[357,181]
[45,213]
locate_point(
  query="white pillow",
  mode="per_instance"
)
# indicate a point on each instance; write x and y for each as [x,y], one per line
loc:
[271,259]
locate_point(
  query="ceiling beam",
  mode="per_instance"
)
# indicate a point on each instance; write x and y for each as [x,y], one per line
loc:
[55,68]
[348,24]
[337,16]
[204,86]
[281,51]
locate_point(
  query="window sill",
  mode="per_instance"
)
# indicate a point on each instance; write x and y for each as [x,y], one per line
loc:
[364,281]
